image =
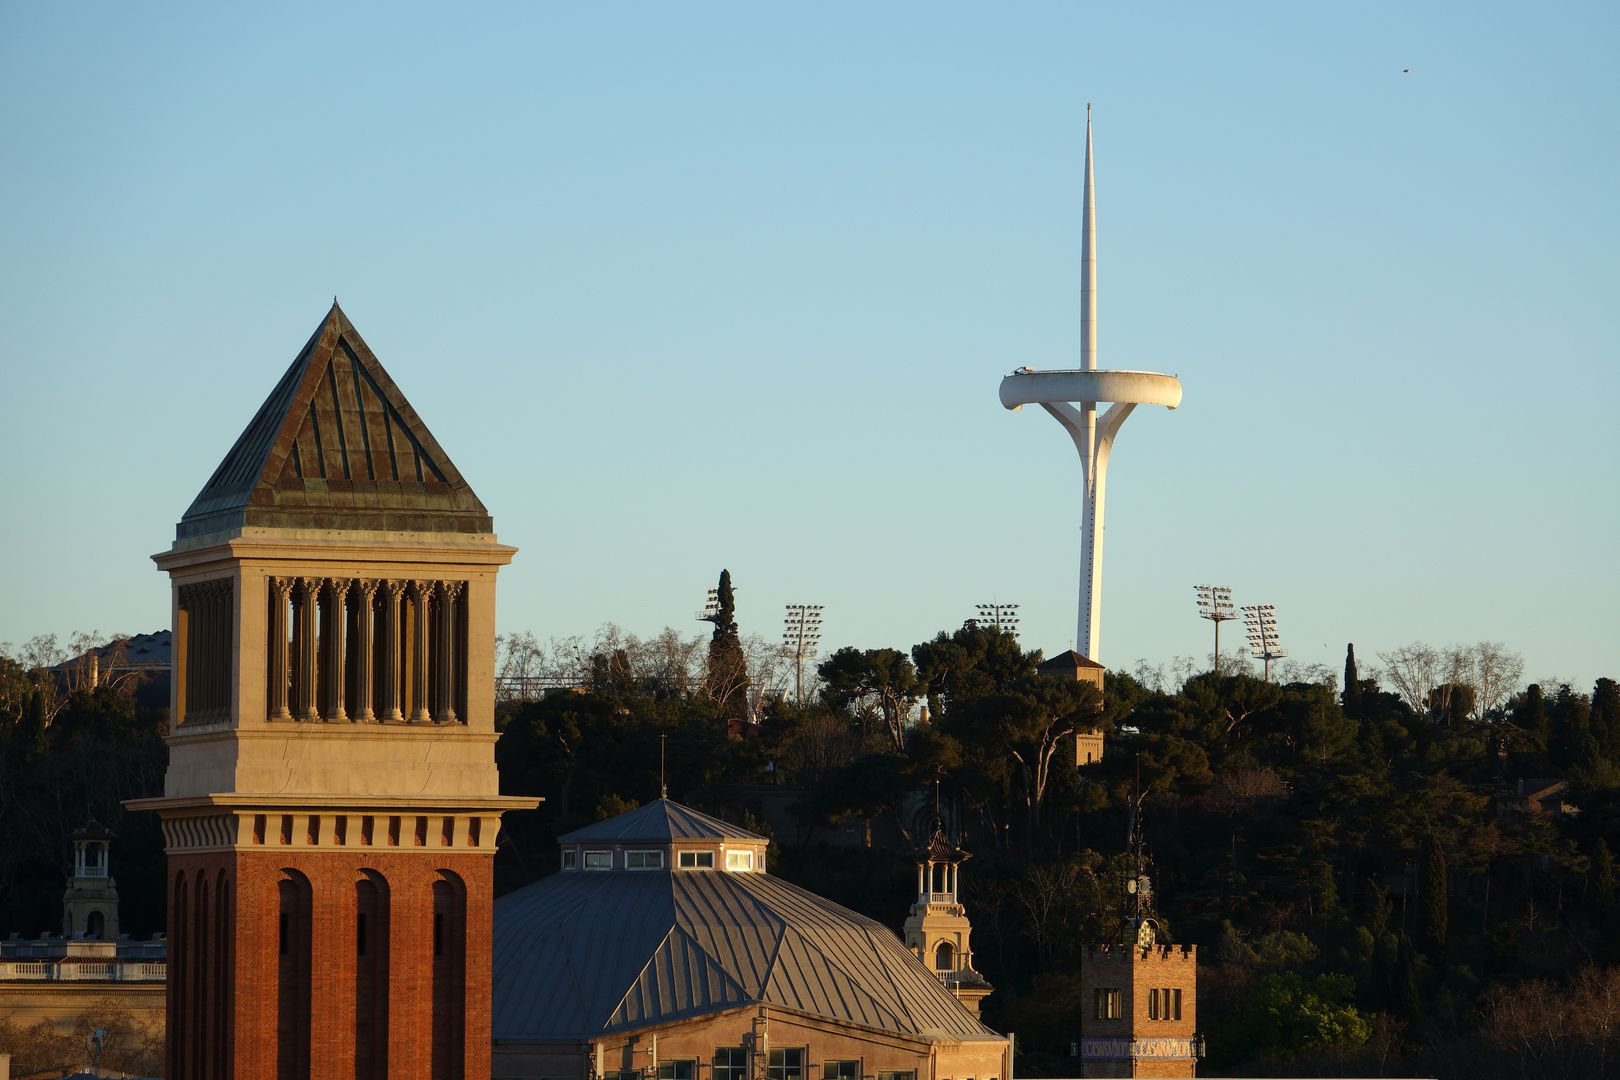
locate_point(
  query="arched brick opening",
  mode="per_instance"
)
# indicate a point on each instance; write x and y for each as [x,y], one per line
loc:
[449,976]
[293,976]
[371,945]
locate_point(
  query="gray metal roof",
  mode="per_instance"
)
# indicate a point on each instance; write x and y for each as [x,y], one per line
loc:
[659,822]
[582,954]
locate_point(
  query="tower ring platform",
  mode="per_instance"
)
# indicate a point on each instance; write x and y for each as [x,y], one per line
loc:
[1131,387]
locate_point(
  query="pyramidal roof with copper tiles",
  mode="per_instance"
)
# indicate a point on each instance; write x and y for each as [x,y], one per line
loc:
[336,446]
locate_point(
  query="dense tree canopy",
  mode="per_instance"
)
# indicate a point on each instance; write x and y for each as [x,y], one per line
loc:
[1371,884]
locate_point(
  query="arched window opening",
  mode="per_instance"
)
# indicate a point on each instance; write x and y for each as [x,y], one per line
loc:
[449,977]
[293,978]
[371,947]
[944,957]
[179,954]
[95,927]
[203,993]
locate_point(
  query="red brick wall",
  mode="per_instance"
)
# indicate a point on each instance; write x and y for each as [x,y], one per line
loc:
[223,987]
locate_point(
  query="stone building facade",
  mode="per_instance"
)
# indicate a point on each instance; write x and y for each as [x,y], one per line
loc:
[331,804]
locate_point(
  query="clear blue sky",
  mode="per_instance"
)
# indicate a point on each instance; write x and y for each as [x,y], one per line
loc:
[684,286]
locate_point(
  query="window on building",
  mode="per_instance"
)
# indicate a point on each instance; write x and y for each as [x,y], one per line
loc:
[730,1063]
[1164,1004]
[677,1070]
[909,1074]
[570,859]
[786,1064]
[599,860]
[1107,1004]
[643,860]
[739,860]
[944,957]
[841,1070]
[697,860]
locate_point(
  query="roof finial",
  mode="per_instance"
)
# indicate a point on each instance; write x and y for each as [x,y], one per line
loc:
[663,788]
[939,822]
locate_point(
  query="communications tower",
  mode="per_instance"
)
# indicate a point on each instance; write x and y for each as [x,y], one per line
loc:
[1072,397]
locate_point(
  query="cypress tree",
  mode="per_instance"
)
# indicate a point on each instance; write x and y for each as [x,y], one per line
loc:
[1407,1002]
[1432,924]
[1352,684]
[727,679]
[1603,877]
[1606,718]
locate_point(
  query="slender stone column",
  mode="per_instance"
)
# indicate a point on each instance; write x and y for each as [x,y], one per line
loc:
[393,677]
[444,699]
[336,648]
[422,597]
[309,591]
[210,643]
[280,595]
[364,630]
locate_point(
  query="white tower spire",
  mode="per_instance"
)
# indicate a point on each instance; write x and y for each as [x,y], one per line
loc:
[1071,397]
[1088,263]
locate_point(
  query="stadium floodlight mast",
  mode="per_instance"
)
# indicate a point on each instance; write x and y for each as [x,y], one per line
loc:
[801,632]
[1072,397]
[711,607]
[1215,604]
[1264,644]
[1001,616]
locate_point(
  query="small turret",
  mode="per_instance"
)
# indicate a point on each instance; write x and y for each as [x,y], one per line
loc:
[938,930]
[90,903]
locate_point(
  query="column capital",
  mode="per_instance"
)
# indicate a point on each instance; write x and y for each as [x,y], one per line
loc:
[367,587]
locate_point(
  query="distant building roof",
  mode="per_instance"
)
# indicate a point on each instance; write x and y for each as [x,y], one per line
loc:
[579,955]
[659,821]
[1067,662]
[336,445]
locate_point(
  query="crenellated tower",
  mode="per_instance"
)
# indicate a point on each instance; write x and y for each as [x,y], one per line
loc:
[331,803]
[1138,997]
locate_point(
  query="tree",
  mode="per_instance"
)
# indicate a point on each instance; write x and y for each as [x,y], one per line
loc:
[1352,684]
[727,677]
[1436,901]
[1496,672]
[882,678]
[1605,718]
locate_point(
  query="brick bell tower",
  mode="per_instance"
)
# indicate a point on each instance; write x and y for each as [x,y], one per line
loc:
[331,804]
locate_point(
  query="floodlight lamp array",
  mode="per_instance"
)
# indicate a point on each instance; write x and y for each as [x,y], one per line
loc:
[1261,622]
[1215,602]
[1002,616]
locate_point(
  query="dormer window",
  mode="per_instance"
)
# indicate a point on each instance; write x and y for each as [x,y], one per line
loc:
[570,859]
[739,860]
[644,860]
[599,860]
[697,860]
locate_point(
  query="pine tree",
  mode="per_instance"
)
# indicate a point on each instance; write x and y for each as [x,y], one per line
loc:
[1432,924]
[1352,684]
[727,679]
